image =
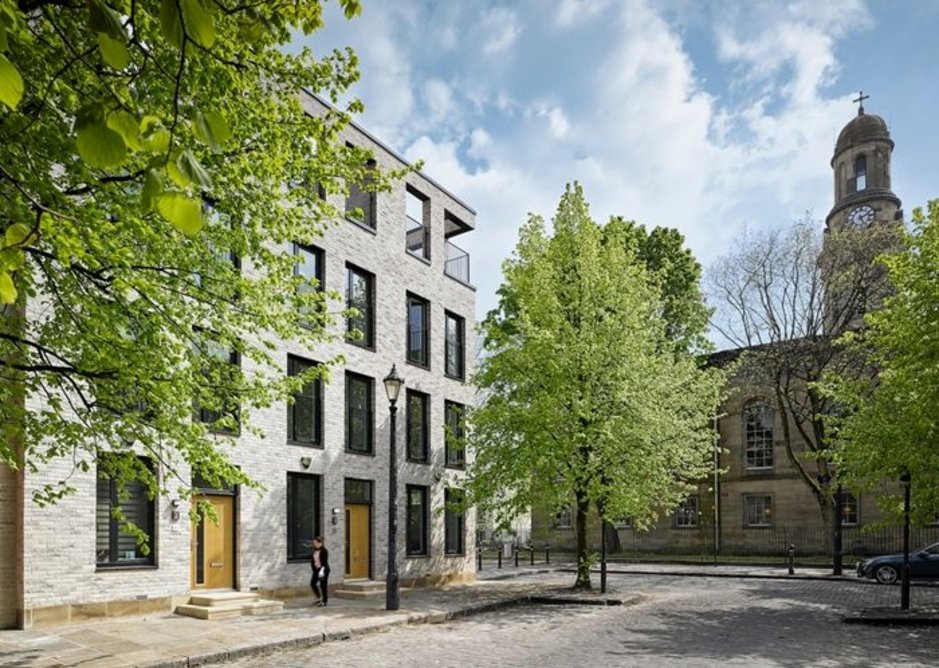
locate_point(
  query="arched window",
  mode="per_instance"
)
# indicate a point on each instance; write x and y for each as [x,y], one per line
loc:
[860,172]
[758,434]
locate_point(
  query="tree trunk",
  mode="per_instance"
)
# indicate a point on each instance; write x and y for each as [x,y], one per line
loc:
[583,555]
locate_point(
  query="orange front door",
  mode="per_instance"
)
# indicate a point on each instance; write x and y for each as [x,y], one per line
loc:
[358,540]
[213,546]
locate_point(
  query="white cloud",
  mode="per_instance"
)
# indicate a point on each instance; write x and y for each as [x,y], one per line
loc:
[571,12]
[439,99]
[500,27]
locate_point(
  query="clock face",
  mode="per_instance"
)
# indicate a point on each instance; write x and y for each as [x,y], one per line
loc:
[862,216]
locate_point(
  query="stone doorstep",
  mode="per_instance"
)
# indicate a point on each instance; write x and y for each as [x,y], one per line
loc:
[362,589]
[225,605]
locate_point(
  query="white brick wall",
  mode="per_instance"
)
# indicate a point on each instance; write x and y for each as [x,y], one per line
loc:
[60,540]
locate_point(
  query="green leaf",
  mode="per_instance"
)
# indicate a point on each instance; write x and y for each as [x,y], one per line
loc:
[100,146]
[7,289]
[183,212]
[152,188]
[11,83]
[12,259]
[170,23]
[16,234]
[3,38]
[156,138]
[103,19]
[199,23]
[196,23]
[211,129]
[173,170]
[352,8]
[194,172]
[124,124]
[113,52]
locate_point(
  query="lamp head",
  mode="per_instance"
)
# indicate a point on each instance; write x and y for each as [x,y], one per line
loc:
[393,383]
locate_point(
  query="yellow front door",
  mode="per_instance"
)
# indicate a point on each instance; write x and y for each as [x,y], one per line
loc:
[213,553]
[358,539]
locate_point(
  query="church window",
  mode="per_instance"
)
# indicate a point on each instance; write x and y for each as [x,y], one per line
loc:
[758,434]
[860,173]
[686,515]
[757,510]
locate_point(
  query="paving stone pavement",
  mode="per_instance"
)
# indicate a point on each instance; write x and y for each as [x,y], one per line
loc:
[677,621]
[713,612]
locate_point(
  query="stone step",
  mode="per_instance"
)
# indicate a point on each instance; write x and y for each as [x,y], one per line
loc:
[360,589]
[223,598]
[224,605]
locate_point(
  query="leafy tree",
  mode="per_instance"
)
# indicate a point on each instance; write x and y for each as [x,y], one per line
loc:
[783,297]
[888,422]
[586,398]
[156,166]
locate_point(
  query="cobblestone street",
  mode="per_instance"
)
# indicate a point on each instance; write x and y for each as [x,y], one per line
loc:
[684,621]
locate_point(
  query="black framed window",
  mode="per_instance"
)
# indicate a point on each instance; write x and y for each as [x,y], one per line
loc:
[418,334]
[304,513]
[563,518]
[221,368]
[860,173]
[417,514]
[360,202]
[454,346]
[359,412]
[454,523]
[418,426]
[686,515]
[309,264]
[114,545]
[360,295]
[305,413]
[454,435]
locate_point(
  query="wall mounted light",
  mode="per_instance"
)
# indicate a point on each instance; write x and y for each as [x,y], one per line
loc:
[336,512]
[174,512]
[305,462]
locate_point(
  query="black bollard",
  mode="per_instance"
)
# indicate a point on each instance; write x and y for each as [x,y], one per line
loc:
[547,554]
[500,558]
[791,552]
[479,559]
[515,550]
[531,549]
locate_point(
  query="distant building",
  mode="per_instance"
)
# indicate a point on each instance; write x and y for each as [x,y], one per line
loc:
[761,503]
[324,461]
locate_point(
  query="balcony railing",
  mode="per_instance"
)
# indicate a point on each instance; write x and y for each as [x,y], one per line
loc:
[458,263]
[417,239]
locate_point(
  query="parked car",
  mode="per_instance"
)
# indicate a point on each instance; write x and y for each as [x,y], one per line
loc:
[924,564]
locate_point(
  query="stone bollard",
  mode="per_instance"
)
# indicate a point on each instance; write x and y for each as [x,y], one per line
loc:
[791,554]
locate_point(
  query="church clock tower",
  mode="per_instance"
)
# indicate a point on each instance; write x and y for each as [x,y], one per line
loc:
[861,165]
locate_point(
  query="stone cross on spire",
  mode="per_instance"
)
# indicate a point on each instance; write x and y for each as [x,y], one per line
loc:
[860,102]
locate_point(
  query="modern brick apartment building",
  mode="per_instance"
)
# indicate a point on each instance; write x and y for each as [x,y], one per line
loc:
[324,461]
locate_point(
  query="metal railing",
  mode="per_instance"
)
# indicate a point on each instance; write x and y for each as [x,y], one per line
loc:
[458,263]
[417,239]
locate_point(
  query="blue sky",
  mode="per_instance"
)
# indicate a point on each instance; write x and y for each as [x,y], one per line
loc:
[710,117]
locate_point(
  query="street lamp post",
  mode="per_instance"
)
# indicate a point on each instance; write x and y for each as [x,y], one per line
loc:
[905,479]
[393,383]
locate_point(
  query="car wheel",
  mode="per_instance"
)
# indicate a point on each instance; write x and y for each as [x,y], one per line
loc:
[886,574]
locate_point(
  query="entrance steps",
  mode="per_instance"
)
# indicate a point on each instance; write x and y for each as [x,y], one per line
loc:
[226,604]
[362,588]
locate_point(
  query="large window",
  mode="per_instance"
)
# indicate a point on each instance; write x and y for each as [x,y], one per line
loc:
[360,295]
[359,408]
[686,515]
[758,510]
[454,527]
[417,513]
[417,208]
[850,511]
[305,414]
[758,434]
[454,436]
[303,514]
[418,333]
[454,346]
[309,265]
[117,505]
[418,426]
[564,518]
[221,367]
[360,203]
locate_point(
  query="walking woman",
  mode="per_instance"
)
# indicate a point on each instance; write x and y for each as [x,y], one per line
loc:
[319,582]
